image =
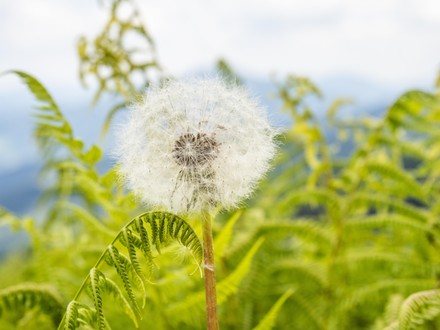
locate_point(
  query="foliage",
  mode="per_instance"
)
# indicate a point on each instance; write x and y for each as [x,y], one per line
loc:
[122,59]
[343,234]
[27,304]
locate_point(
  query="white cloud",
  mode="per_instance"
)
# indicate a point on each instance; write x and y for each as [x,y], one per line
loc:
[39,37]
[392,41]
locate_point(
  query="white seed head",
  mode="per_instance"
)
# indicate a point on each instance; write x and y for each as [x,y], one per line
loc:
[195,145]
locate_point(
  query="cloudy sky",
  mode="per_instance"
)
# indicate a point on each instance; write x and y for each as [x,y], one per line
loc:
[390,41]
[391,44]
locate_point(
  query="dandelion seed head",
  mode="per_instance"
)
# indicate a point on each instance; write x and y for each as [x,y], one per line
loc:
[194,145]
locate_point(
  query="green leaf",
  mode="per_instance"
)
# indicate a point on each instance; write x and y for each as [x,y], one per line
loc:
[223,238]
[419,308]
[268,322]
[21,298]
[93,155]
[148,229]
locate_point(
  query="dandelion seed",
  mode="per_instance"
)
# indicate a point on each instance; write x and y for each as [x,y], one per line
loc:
[195,145]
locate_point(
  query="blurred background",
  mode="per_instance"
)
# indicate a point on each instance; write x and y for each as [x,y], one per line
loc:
[344,229]
[368,51]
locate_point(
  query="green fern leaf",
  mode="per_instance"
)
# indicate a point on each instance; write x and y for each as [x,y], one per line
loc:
[313,272]
[419,308]
[390,171]
[21,298]
[323,197]
[130,243]
[309,312]
[302,229]
[364,200]
[230,284]
[396,221]
[392,310]
[51,122]
[83,215]
[410,105]
[142,233]
[376,291]
[108,286]
[97,297]
[40,92]
[117,260]
[72,315]
[268,322]
[222,239]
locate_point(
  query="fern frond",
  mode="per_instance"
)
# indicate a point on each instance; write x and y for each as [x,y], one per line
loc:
[375,291]
[151,229]
[52,128]
[108,286]
[374,222]
[409,148]
[97,296]
[306,271]
[88,319]
[123,266]
[358,263]
[222,239]
[302,229]
[419,308]
[71,316]
[327,198]
[365,201]
[268,322]
[310,312]
[9,219]
[21,298]
[392,309]
[51,122]
[410,104]
[130,242]
[86,217]
[109,50]
[230,284]
[15,223]
[393,172]
[392,326]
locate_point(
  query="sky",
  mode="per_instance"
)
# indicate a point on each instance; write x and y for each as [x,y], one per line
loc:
[383,40]
[388,41]
[391,44]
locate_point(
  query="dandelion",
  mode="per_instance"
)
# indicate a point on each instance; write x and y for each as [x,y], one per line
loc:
[195,145]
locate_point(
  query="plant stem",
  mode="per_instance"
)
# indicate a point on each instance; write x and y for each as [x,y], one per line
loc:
[210,290]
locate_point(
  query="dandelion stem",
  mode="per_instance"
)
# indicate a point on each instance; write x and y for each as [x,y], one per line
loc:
[210,290]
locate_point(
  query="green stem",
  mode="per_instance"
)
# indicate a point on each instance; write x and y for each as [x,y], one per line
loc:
[210,290]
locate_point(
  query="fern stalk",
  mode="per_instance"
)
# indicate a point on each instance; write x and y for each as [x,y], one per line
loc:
[210,289]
